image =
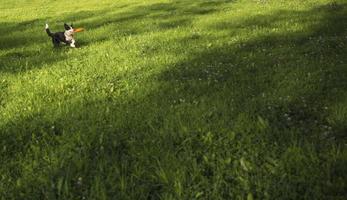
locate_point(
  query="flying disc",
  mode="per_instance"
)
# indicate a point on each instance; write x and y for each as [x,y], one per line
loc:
[78,30]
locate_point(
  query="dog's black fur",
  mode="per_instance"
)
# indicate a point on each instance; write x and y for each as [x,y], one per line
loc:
[62,37]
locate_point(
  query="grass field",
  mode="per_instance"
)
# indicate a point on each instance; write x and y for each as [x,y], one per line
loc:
[174,99]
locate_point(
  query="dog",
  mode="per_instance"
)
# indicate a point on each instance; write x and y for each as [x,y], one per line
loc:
[66,37]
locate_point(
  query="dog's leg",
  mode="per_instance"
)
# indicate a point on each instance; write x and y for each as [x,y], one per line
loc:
[55,42]
[72,44]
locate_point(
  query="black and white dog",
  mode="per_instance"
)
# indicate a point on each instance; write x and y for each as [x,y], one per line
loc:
[66,37]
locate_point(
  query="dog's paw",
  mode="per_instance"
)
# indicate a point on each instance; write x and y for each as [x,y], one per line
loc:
[46,26]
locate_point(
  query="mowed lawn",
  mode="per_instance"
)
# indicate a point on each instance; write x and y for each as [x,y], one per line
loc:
[174,99]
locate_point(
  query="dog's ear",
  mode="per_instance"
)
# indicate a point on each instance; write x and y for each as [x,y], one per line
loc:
[67,27]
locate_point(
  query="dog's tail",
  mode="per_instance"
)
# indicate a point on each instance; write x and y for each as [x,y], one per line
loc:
[49,33]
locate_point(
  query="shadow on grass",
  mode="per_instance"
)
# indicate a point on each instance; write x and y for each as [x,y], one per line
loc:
[277,89]
[262,98]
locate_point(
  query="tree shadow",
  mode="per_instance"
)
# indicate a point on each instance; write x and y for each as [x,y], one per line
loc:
[289,82]
[22,60]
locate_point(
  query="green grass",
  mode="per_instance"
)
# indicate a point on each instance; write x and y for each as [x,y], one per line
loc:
[164,99]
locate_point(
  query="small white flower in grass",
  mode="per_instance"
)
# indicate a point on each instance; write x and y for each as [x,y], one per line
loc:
[79,181]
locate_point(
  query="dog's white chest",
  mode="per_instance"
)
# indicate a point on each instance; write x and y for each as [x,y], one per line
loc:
[68,37]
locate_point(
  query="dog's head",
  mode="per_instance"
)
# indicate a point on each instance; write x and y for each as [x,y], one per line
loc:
[68,29]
